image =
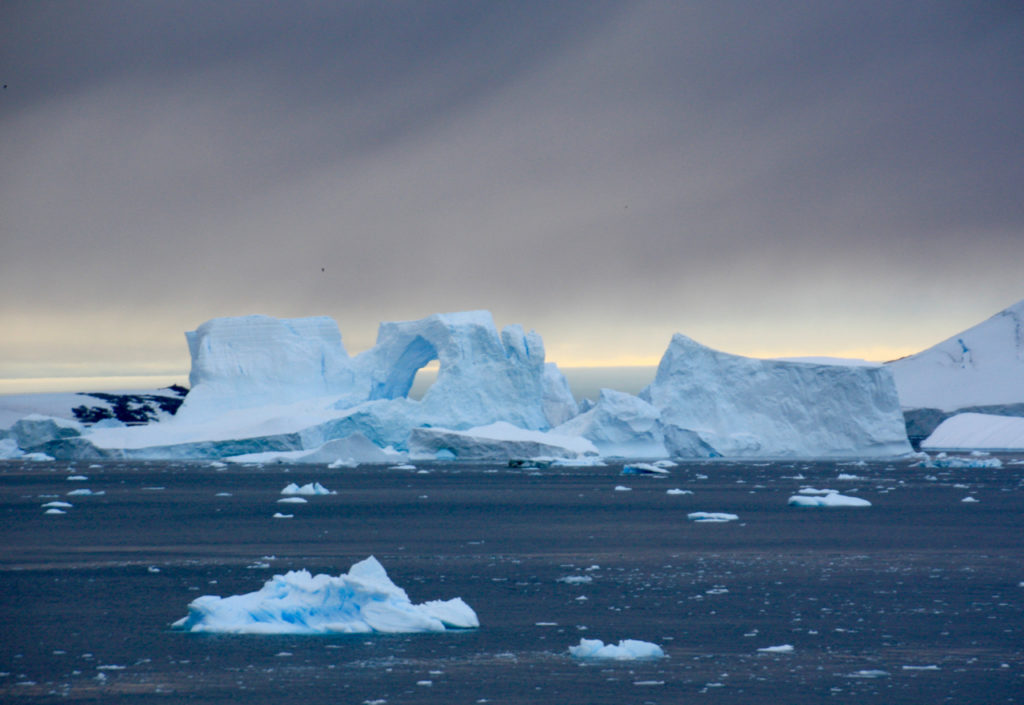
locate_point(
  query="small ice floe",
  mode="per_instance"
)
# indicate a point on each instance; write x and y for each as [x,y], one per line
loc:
[676,490]
[643,469]
[969,500]
[279,515]
[665,463]
[312,489]
[711,517]
[77,478]
[223,494]
[810,497]
[847,477]
[153,569]
[403,466]
[292,500]
[54,510]
[576,579]
[364,600]
[84,493]
[953,461]
[57,505]
[625,650]
[780,649]
[869,673]
[929,667]
[623,488]
[218,464]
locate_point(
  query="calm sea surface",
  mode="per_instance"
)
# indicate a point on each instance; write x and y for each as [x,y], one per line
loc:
[916,599]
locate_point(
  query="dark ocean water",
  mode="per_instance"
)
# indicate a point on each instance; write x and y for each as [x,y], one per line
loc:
[916,599]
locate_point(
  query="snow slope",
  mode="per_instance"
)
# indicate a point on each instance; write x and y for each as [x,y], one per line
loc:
[981,366]
[977,432]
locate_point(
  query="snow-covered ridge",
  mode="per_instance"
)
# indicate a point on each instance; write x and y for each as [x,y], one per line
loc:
[981,366]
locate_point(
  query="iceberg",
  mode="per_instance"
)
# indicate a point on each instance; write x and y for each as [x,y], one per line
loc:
[711,517]
[619,425]
[497,441]
[977,432]
[311,489]
[717,404]
[625,650]
[810,497]
[364,600]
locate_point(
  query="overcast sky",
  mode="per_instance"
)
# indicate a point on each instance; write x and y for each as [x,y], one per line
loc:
[769,178]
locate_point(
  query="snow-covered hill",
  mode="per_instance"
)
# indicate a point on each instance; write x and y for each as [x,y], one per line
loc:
[982,366]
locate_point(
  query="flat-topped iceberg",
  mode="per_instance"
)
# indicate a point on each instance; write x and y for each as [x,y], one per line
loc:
[716,404]
[497,441]
[810,497]
[361,601]
[625,650]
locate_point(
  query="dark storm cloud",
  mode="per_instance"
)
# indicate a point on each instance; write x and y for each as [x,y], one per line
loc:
[733,170]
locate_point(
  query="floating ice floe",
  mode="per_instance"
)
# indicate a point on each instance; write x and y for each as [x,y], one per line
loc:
[810,497]
[292,500]
[780,649]
[77,478]
[84,493]
[311,489]
[711,517]
[54,510]
[623,488]
[625,650]
[361,601]
[869,673]
[644,469]
[847,477]
[676,490]
[954,461]
[969,500]
[57,505]
[279,515]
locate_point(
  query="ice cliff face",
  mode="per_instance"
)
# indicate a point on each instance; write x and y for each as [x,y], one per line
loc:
[714,403]
[258,360]
[982,366]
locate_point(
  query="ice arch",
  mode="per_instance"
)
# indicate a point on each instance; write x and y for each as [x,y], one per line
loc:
[417,354]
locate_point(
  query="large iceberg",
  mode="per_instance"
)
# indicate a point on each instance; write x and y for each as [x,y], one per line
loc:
[361,601]
[716,404]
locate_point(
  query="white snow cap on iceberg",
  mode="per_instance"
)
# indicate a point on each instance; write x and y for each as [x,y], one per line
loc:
[625,650]
[716,404]
[362,601]
[977,432]
[983,365]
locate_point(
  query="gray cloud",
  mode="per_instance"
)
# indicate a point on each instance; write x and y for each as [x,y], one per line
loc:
[794,177]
